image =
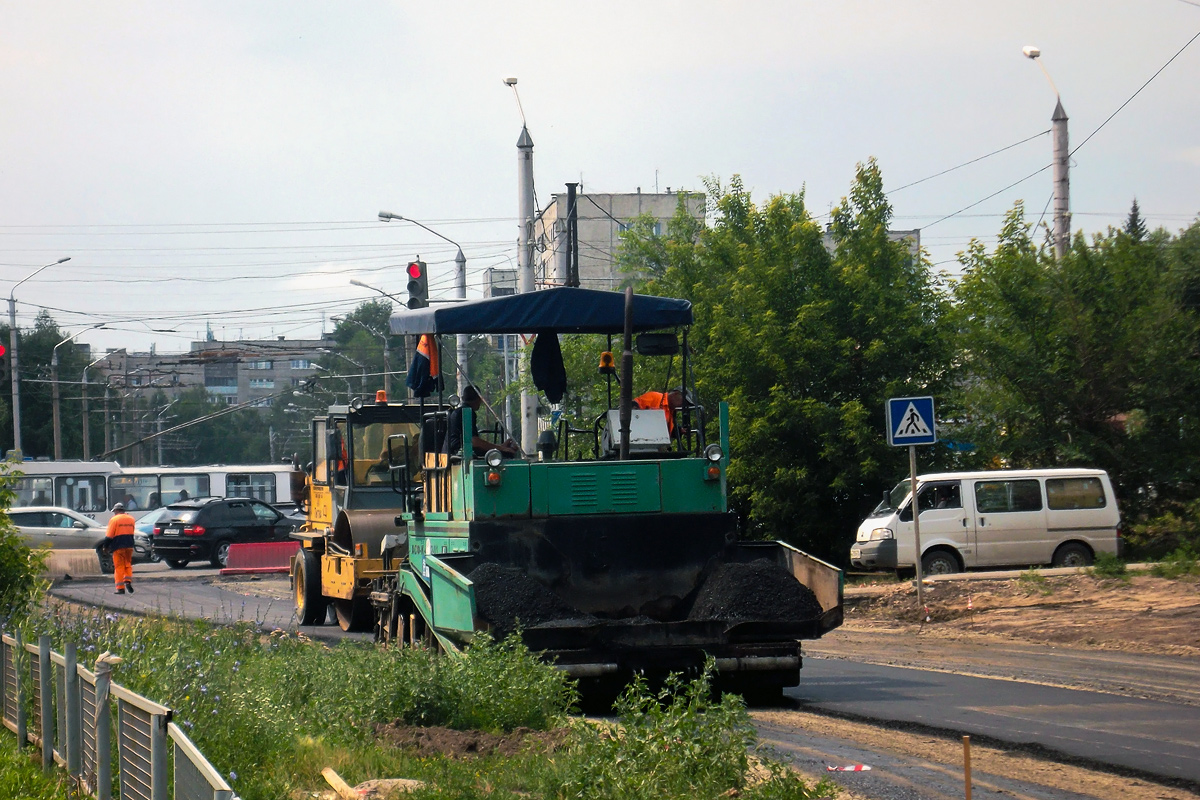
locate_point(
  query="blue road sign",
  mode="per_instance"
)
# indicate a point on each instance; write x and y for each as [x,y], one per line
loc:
[910,421]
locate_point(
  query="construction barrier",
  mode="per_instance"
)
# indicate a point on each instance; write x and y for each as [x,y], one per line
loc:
[260,558]
[71,563]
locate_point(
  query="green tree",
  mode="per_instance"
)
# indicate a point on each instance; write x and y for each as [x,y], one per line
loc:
[805,337]
[36,346]
[1090,361]
[1135,226]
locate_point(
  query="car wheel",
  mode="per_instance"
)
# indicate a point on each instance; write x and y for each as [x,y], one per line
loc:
[939,562]
[106,563]
[154,557]
[310,605]
[220,554]
[177,563]
[1072,554]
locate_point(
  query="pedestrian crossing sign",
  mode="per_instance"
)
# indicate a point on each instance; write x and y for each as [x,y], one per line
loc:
[910,421]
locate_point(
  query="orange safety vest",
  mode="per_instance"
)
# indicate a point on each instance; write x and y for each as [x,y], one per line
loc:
[120,532]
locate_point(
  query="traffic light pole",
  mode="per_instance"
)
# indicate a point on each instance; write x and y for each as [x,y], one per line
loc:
[12,371]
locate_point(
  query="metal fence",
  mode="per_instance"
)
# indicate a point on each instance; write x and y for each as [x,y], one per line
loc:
[73,723]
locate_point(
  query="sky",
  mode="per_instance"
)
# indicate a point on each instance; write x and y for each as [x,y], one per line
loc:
[220,165]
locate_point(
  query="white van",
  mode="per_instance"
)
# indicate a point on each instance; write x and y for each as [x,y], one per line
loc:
[1002,518]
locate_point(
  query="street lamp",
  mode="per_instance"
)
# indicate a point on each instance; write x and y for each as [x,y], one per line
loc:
[54,387]
[86,432]
[387,383]
[1061,162]
[460,289]
[12,346]
[362,387]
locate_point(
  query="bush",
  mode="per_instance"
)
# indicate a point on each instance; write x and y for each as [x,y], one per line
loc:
[1183,561]
[1156,537]
[20,567]
[1109,566]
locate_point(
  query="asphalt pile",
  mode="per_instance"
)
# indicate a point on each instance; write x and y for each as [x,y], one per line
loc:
[506,597]
[755,590]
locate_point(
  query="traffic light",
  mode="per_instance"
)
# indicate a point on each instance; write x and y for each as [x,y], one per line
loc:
[418,285]
[3,364]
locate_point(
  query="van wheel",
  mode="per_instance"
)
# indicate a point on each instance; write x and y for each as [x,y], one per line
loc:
[1072,554]
[939,562]
[177,563]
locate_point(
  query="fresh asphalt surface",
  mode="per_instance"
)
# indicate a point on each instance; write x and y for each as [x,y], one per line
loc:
[1145,736]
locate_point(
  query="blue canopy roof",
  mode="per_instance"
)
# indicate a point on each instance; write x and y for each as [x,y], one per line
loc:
[560,310]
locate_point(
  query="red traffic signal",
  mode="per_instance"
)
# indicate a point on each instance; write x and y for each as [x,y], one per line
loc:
[3,350]
[418,284]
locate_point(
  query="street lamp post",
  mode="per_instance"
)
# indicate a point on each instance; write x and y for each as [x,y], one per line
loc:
[362,387]
[54,387]
[1061,162]
[86,431]
[387,383]
[12,346]
[460,291]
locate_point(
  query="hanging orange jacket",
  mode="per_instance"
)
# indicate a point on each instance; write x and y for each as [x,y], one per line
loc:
[658,400]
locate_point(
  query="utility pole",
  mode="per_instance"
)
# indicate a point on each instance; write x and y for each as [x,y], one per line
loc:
[525,282]
[1062,182]
[460,291]
[1061,161]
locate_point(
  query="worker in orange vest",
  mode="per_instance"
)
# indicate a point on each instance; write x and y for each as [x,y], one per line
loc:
[120,544]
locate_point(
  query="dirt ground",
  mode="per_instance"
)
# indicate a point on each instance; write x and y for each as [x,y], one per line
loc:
[1144,614]
[434,741]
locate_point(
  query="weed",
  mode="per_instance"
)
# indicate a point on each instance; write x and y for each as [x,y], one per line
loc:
[1032,581]
[676,742]
[21,773]
[1109,566]
[1183,561]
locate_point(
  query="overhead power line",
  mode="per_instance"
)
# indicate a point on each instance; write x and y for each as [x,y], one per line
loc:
[972,161]
[1135,94]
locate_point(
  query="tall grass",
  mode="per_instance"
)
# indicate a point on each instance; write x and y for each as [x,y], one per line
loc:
[270,709]
[21,773]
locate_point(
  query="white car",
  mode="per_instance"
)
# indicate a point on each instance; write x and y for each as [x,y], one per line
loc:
[60,528]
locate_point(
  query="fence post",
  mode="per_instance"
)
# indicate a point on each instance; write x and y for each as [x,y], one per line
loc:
[158,756]
[74,738]
[46,686]
[103,730]
[22,718]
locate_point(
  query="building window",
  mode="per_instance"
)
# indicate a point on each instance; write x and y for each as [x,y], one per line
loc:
[301,363]
[262,383]
[262,402]
[219,380]
[260,365]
